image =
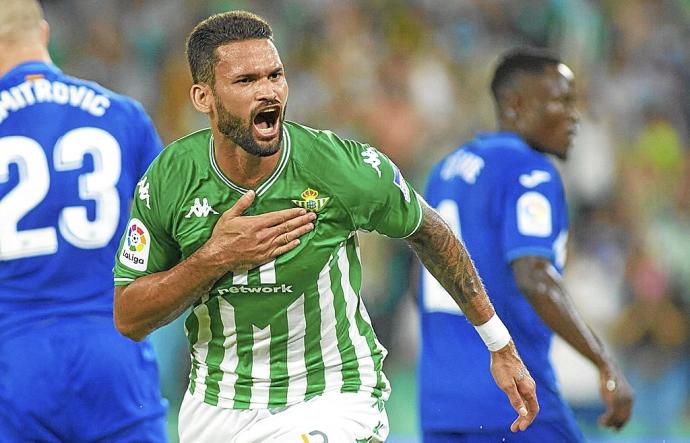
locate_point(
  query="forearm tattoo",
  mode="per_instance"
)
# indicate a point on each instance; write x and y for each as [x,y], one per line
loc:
[446,258]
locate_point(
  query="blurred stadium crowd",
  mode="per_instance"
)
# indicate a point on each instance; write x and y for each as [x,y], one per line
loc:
[411,77]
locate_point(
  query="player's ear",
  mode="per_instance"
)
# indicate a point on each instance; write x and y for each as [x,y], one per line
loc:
[45,32]
[202,97]
[509,105]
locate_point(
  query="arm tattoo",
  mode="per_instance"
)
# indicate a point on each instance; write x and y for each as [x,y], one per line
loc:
[446,258]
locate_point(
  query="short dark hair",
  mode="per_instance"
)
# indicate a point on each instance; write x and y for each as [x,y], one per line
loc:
[216,31]
[525,60]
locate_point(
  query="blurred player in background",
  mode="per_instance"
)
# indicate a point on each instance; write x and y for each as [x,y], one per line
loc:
[71,153]
[504,199]
[282,346]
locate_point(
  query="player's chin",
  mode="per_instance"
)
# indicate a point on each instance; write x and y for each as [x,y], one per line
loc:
[267,139]
[562,146]
[266,148]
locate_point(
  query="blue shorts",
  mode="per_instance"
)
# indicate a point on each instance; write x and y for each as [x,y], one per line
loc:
[565,431]
[78,380]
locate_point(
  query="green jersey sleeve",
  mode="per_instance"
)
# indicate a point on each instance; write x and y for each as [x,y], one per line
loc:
[146,245]
[379,197]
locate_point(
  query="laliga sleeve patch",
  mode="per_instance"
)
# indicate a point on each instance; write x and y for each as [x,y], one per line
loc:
[135,250]
[534,215]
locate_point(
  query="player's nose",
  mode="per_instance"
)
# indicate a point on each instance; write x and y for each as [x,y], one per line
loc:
[266,90]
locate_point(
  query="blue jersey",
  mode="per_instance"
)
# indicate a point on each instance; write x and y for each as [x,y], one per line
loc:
[71,153]
[504,200]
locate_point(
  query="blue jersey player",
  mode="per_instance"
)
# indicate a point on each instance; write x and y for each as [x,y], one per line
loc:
[71,154]
[504,198]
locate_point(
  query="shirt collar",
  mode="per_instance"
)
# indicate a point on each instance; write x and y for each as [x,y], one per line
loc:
[31,67]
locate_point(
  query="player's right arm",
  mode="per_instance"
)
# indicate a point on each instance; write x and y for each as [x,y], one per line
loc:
[542,285]
[238,243]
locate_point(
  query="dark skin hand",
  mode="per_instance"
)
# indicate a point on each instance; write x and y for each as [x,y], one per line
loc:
[541,284]
[446,258]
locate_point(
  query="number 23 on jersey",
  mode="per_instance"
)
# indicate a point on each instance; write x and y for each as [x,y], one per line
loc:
[34,183]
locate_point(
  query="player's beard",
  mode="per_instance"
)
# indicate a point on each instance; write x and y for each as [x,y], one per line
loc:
[234,128]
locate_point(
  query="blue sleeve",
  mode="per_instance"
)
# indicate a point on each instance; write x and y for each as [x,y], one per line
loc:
[148,142]
[432,186]
[532,205]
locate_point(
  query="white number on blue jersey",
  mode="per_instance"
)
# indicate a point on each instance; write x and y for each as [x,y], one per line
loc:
[34,182]
[436,299]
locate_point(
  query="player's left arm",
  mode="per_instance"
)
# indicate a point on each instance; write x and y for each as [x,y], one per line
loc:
[542,285]
[449,262]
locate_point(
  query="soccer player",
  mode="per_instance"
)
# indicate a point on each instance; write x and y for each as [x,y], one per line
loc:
[71,153]
[282,348]
[504,198]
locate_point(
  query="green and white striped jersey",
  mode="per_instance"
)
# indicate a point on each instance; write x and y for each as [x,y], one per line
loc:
[295,327]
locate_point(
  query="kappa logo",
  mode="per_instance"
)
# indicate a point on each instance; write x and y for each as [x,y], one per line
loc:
[144,191]
[311,201]
[200,208]
[371,157]
[534,178]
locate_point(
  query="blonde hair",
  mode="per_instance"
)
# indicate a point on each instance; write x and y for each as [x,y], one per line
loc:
[20,20]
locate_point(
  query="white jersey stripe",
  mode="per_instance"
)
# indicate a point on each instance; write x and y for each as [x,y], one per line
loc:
[200,349]
[267,273]
[226,385]
[261,367]
[297,370]
[240,279]
[365,315]
[363,309]
[367,373]
[332,360]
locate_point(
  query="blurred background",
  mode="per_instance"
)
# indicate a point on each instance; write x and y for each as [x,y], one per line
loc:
[412,78]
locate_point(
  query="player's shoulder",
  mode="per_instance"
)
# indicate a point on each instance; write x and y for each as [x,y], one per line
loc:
[186,153]
[516,164]
[325,149]
[508,152]
[311,142]
[116,100]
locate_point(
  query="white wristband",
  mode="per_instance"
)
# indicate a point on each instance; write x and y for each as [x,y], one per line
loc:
[494,333]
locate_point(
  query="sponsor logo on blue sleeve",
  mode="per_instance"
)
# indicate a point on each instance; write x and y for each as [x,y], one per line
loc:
[534,178]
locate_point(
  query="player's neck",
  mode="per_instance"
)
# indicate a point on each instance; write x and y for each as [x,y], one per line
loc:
[508,126]
[241,167]
[16,55]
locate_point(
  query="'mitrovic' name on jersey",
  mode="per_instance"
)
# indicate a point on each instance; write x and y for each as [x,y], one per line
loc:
[295,327]
[40,90]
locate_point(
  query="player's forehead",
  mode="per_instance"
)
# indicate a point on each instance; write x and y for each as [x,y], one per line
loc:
[246,57]
[553,83]
[558,80]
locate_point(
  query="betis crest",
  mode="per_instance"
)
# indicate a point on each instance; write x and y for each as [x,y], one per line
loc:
[311,202]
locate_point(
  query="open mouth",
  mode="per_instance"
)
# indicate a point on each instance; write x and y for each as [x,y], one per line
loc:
[266,122]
